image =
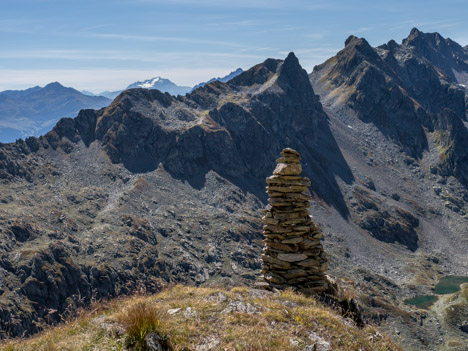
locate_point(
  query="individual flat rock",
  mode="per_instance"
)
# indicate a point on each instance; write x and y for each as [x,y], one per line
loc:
[298,188]
[274,236]
[276,229]
[295,215]
[297,281]
[282,247]
[296,257]
[288,160]
[307,244]
[288,169]
[274,278]
[324,267]
[276,261]
[309,263]
[261,284]
[270,220]
[294,273]
[296,240]
[289,222]
[287,178]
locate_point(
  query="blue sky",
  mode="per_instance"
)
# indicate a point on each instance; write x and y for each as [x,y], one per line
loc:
[107,44]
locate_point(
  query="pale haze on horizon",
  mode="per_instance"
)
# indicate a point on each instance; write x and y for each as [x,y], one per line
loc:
[106,45]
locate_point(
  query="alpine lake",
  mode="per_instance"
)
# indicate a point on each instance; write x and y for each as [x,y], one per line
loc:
[447,285]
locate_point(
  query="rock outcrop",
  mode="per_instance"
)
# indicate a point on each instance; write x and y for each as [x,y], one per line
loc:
[293,255]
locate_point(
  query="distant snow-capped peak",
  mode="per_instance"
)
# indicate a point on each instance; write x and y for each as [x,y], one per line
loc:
[150,83]
[162,84]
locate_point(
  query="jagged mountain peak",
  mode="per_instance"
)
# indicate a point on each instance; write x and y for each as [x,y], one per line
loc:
[137,96]
[291,63]
[391,45]
[244,83]
[356,57]
[423,42]
[350,39]
[361,46]
[414,32]
[291,75]
[447,55]
[263,72]
[272,75]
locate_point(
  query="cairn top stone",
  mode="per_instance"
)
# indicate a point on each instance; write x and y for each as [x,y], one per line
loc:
[288,152]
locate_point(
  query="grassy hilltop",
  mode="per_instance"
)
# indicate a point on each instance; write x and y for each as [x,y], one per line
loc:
[189,318]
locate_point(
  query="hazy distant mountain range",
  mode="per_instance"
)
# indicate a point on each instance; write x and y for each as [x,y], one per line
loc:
[34,111]
[162,84]
[166,86]
[223,79]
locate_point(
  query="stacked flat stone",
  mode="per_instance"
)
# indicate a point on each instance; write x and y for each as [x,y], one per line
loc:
[293,255]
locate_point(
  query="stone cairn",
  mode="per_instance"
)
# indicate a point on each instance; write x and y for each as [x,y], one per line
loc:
[293,255]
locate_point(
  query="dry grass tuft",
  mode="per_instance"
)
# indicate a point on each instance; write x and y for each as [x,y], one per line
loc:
[139,320]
